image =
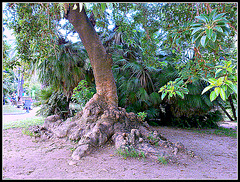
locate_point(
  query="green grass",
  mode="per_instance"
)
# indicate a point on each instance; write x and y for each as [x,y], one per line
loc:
[25,131]
[131,152]
[24,123]
[162,160]
[221,131]
[9,109]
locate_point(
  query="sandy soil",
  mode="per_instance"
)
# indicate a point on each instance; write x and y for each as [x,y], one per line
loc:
[25,157]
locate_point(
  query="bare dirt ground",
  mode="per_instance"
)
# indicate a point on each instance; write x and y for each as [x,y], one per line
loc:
[25,157]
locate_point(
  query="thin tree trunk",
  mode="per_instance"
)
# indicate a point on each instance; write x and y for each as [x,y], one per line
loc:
[100,60]
[232,106]
[224,110]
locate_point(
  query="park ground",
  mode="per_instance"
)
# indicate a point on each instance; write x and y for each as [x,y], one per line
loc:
[25,157]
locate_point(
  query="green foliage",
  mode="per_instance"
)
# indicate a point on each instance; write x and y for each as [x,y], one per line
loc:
[220,131]
[209,29]
[224,83]
[56,71]
[174,88]
[142,115]
[208,120]
[162,160]
[53,102]
[26,131]
[213,33]
[130,152]
[82,93]
[150,50]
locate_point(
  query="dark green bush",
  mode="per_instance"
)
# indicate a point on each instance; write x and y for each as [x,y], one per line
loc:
[208,120]
[54,102]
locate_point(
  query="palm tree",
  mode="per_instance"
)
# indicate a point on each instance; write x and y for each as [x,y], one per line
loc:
[63,72]
[57,70]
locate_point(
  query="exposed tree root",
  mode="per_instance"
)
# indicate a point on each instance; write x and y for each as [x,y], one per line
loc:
[97,124]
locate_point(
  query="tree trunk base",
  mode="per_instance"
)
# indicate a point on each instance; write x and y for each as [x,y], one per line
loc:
[95,125]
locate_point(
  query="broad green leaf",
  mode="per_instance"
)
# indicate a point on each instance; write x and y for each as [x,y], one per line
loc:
[229,70]
[196,25]
[212,80]
[233,87]
[180,94]
[206,89]
[196,29]
[219,29]
[224,87]
[206,17]
[228,82]
[103,6]
[163,95]
[201,17]
[222,22]
[222,94]
[220,81]
[229,63]
[218,17]
[197,42]
[212,14]
[217,90]
[218,71]
[161,89]
[185,90]
[213,96]
[209,33]
[226,30]
[203,40]
[214,36]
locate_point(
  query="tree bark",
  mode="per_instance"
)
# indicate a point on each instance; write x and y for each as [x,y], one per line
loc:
[100,60]
[224,110]
[232,106]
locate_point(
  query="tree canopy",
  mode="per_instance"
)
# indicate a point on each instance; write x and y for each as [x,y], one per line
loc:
[196,41]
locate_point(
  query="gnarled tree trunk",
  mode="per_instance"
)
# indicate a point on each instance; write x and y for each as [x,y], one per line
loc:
[101,61]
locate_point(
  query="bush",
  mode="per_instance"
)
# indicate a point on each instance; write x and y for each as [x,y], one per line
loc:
[82,93]
[54,102]
[208,120]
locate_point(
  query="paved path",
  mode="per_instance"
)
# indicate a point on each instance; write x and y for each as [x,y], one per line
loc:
[228,124]
[16,117]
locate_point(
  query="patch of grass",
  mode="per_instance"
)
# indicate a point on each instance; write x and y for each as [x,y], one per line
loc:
[131,152]
[9,109]
[24,123]
[226,132]
[72,148]
[25,131]
[221,131]
[162,160]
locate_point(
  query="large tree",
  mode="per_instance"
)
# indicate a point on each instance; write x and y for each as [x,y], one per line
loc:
[101,119]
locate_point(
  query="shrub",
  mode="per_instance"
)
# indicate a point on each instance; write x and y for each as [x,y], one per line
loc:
[208,120]
[82,93]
